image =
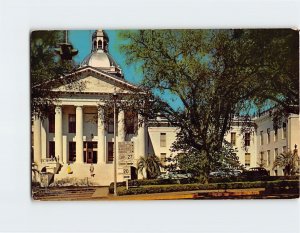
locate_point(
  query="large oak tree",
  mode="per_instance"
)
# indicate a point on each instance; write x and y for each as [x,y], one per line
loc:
[216,74]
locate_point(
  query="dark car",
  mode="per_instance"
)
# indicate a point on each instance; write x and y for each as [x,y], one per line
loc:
[256,172]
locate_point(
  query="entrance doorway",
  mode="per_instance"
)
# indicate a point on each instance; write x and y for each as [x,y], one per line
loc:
[90,152]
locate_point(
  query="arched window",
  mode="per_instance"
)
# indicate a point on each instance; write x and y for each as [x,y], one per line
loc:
[105,45]
[99,44]
[95,44]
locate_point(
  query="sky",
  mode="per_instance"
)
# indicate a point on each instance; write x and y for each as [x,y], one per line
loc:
[82,41]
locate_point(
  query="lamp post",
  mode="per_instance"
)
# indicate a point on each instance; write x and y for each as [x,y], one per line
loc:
[115,145]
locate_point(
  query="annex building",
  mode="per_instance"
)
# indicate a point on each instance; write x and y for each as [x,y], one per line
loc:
[77,133]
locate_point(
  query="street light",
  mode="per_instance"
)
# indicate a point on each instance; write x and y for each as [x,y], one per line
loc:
[115,144]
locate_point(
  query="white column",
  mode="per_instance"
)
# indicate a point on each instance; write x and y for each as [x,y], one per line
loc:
[44,138]
[141,139]
[37,140]
[101,136]
[58,133]
[79,134]
[121,128]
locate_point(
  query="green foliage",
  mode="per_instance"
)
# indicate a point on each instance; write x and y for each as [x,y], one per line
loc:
[192,163]
[225,159]
[216,74]
[289,161]
[46,70]
[151,165]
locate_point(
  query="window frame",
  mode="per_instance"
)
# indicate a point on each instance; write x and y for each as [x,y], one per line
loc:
[163,141]
[233,142]
[284,131]
[247,139]
[72,124]
[261,137]
[51,123]
[51,150]
[110,149]
[247,160]
[268,135]
[72,145]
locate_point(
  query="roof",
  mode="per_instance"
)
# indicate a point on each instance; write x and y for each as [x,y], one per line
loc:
[99,59]
[96,81]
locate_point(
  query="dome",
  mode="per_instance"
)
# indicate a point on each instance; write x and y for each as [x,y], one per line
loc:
[99,59]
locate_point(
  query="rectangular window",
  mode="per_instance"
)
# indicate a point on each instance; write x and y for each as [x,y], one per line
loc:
[51,149]
[51,123]
[268,158]
[110,123]
[261,137]
[276,152]
[131,122]
[268,136]
[262,159]
[247,139]
[275,135]
[284,149]
[110,152]
[163,139]
[283,130]
[233,139]
[247,159]
[72,152]
[72,123]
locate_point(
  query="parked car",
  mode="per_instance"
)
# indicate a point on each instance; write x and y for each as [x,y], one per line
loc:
[233,173]
[176,175]
[256,172]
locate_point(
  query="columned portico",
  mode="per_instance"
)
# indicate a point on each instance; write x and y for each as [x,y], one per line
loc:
[58,133]
[79,134]
[101,137]
[37,140]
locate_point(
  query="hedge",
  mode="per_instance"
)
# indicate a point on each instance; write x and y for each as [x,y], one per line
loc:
[138,183]
[269,185]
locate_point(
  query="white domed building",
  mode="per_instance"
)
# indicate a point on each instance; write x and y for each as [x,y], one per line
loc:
[77,134]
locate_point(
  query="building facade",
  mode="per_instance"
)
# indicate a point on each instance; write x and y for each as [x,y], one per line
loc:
[78,133]
[271,141]
[243,140]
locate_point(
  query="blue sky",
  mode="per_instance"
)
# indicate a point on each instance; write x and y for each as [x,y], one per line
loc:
[81,40]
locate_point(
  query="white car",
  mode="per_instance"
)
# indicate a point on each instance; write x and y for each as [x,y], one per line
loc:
[179,174]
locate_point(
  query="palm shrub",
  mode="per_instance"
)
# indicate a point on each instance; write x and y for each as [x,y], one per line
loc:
[151,165]
[289,161]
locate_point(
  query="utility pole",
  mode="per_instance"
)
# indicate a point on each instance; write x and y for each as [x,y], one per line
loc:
[115,144]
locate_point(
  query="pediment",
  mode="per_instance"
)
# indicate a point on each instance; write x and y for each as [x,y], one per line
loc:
[89,80]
